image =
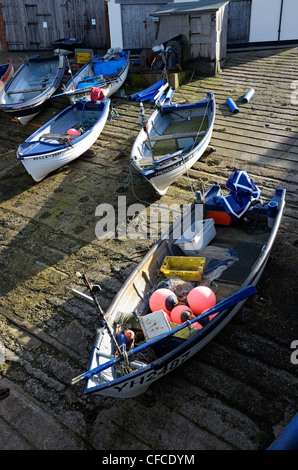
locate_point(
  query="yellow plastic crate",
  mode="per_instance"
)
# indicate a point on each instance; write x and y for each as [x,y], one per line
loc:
[186,267]
[83,55]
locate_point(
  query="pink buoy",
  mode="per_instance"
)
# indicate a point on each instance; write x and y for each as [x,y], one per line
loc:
[201,298]
[73,132]
[163,299]
[181,313]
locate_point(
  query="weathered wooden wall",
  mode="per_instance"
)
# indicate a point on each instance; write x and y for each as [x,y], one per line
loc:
[239,21]
[206,32]
[36,24]
[137,25]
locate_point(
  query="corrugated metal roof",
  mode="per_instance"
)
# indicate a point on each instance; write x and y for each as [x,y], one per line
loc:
[187,8]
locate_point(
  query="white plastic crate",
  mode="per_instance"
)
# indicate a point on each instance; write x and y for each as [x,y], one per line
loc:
[196,237]
[154,324]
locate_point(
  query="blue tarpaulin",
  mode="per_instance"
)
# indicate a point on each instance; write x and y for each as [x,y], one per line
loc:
[108,67]
[105,68]
[242,193]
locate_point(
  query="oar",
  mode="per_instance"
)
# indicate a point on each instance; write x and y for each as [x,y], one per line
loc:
[143,120]
[227,303]
[81,90]
[92,290]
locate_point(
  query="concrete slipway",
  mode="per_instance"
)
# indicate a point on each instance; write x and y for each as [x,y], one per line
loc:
[241,390]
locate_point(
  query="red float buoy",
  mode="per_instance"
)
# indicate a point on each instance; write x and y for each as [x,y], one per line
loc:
[201,298]
[163,299]
[181,313]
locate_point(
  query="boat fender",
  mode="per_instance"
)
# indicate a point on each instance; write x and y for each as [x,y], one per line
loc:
[181,313]
[163,299]
[96,94]
[232,106]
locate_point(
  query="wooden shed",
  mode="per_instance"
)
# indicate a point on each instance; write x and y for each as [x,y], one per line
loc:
[32,25]
[204,24]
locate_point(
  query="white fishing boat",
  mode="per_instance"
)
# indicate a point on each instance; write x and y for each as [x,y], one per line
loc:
[64,138]
[32,86]
[172,140]
[107,74]
[138,342]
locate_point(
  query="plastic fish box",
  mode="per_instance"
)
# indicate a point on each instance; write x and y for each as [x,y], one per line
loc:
[186,267]
[83,55]
[219,217]
[195,238]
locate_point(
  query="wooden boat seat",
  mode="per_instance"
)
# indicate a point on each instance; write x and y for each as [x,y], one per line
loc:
[26,90]
[176,136]
[163,158]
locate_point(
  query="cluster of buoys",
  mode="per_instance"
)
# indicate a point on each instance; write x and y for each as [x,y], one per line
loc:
[198,300]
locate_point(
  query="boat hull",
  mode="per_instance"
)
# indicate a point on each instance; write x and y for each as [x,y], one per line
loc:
[132,297]
[39,163]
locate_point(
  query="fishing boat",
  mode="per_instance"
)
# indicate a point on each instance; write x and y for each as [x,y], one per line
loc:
[67,46]
[109,74]
[172,140]
[221,263]
[6,72]
[64,138]
[32,86]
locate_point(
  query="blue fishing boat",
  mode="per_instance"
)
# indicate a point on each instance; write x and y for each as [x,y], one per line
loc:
[137,341]
[67,46]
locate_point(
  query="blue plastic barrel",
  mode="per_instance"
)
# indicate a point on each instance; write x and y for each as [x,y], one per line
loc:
[232,105]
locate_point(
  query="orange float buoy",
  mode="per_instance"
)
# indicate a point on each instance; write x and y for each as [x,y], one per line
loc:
[201,298]
[181,313]
[163,299]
